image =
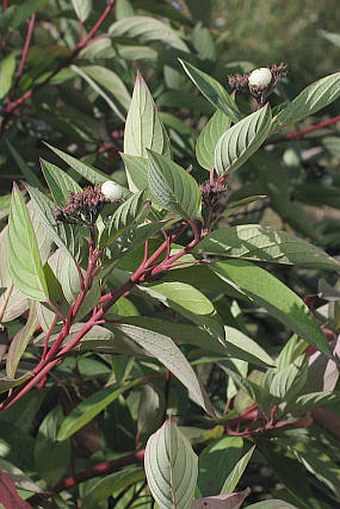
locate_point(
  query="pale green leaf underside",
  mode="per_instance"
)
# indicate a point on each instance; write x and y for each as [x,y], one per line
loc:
[24,263]
[172,187]
[279,300]
[240,142]
[110,81]
[143,129]
[171,467]
[315,97]
[218,124]
[59,182]
[164,349]
[263,243]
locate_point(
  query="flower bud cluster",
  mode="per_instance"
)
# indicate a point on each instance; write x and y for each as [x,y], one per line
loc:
[82,208]
[213,193]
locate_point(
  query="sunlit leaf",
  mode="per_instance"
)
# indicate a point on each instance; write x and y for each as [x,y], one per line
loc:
[23,258]
[208,138]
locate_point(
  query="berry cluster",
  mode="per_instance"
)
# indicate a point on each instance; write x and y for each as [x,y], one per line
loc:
[259,83]
[82,208]
[213,193]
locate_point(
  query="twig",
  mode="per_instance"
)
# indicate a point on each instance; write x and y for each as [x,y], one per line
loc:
[300,134]
[26,48]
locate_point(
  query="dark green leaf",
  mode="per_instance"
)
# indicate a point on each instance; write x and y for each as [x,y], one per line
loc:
[213,91]
[59,182]
[263,243]
[173,188]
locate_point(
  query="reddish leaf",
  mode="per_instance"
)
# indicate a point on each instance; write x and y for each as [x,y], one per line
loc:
[8,494]
[229,501]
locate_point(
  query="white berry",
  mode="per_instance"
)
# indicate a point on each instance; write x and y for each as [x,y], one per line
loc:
[111,190]
[260,77]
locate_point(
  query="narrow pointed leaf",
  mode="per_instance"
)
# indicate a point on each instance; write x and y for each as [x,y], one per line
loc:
[213,91]
[240,142]
[173,188]
[23,258]
[315,97]
[19,343]
[227,501]
[171,467]
[143,129]
[59,182]
[208,138]
[279,300]
[110,81]
[147,30]
[84,170]
[263,243]
[164,349]
[235,475]
[7,69]
[88,409]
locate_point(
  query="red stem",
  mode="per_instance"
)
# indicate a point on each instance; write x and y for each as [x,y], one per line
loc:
[106,467]
[26,46]
[5,4]
[299,134]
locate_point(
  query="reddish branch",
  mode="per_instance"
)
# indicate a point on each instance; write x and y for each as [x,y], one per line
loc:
[148,267]
[106,467]
[12,106]
[300,134]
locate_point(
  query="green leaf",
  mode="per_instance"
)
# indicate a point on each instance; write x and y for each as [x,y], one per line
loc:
[7,69]
[23,258]
[315,97]
[279,300]
[315,399]
[235,475]
[82,8]
[265,244]
[208,138]
[19,342]
[173,188]
[240,142]
[285,384]
[94,85]
[183,294]
[84,170]
[51,458]
[203,42]
[216,462]
[144,129]
[242,347]
[147,30]
[27,172]
[123,218]
[111,484]
[272,504]
[59,182]
[213,91]
[7,383]
[124,9]
[61,234]
[171,467]
[331,37]
[88,409]
[137,171]
[164,349]
[110,81]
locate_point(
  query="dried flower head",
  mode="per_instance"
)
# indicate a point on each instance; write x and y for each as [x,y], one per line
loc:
[82,208]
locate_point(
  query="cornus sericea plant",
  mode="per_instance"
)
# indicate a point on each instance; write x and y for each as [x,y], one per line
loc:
[163,344]
[76,258]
